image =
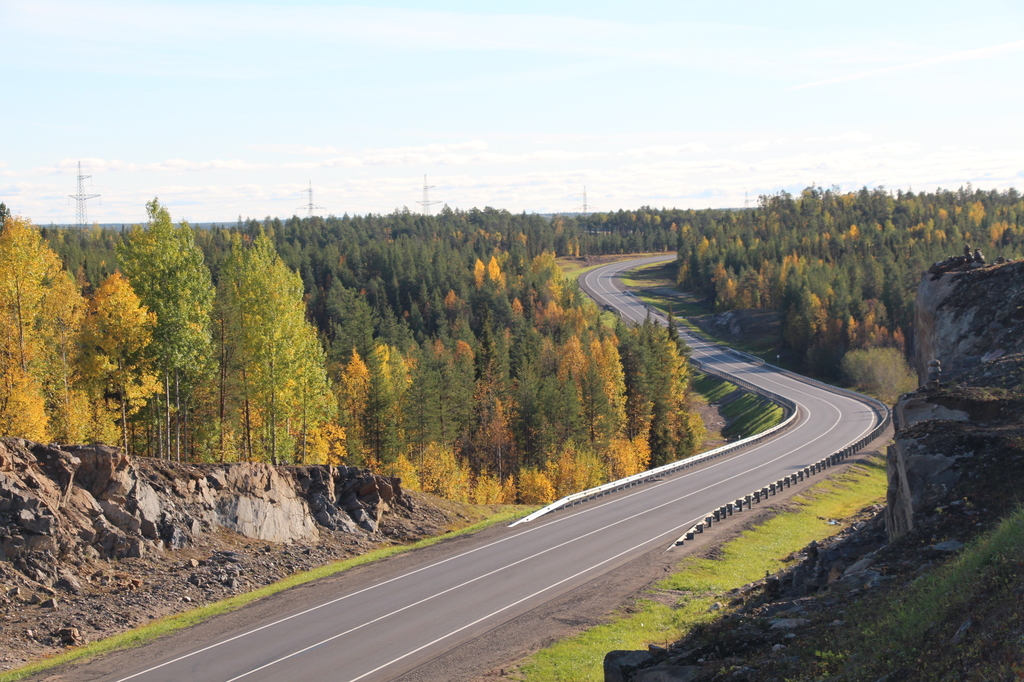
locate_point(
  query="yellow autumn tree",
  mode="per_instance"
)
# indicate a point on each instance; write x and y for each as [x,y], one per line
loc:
[405,470]
[486,489]
[535,487]
[40,316]
[494,272]
[627,456]
[572,362]
[574,469]
[353,397]
[479,272]
[442,473]
[976,213]
[117,332]
[327,444]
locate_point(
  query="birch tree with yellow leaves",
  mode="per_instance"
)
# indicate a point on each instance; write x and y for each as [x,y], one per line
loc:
[40,315]
[115,337]
[279,362]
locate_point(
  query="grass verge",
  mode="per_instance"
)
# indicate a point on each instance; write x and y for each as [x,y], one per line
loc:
[750,414]
[169,624]
[963,616]
[743,560]
[572,268]
[711,388]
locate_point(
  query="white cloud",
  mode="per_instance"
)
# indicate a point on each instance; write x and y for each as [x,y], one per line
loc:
[623,172]
[172,24]
[305,150]
[669,150]
[961,56]
[93,165]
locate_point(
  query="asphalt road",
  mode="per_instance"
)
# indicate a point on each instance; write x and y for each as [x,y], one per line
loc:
[360,627]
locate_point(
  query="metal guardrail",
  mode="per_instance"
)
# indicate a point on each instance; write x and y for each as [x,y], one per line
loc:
[773,488]
[645,476]
[756,496]
[786,403]
[881,408]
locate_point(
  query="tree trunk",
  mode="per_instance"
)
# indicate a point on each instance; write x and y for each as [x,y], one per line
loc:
[177,416]
[124,409]
[21,326]
[222,374]
[167,411]
[248,422]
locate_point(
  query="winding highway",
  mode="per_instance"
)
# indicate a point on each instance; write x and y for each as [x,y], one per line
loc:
[382,622]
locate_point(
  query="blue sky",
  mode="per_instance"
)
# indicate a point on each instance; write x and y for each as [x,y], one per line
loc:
[228,109]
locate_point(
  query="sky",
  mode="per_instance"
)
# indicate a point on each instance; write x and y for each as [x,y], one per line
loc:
[228,110]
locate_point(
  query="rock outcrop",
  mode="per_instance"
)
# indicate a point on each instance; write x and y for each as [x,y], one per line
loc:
[94,502]
[967,316]
[954,470]
[972,321]
[961,440]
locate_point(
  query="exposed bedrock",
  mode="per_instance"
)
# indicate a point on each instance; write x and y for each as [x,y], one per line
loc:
[94,502]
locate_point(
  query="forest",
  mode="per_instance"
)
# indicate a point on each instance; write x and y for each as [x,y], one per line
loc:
[841,268]
[447,350]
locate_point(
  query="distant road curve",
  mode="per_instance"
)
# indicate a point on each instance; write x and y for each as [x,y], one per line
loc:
[392,619]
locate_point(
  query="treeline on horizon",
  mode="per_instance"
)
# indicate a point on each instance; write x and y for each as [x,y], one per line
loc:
[450,349]
[842,268]
[447,350]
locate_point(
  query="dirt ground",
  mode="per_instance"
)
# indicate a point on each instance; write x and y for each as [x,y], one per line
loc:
[143,589]
[128,593]
[495,656]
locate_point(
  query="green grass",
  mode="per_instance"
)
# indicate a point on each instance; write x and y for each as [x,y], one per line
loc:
[169,624]
[712,388]
[743,560]
[911,628]
[685,306]
[652,275]
[750,414]
[572,268]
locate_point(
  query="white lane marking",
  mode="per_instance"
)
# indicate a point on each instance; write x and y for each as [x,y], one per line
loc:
[438,563]
[515,563]
[537,527]
[515,603]
[482,547]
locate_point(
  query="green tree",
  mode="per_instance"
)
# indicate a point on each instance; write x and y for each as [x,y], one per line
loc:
[278,358]
[882,372]
[167,271]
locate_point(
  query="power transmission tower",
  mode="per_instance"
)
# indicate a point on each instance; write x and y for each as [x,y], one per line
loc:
[585,208]
[427,203]
[81,216]
[310,207]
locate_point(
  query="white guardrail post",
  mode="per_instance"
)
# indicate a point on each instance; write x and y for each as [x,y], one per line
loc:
[758,495]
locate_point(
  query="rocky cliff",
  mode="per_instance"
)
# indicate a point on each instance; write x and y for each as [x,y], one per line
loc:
[960,438]
[954,469]
[94,542]
[95,502]
[969,315]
